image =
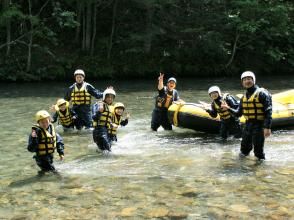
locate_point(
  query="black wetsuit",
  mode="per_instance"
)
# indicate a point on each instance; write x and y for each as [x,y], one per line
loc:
[253,133]
[160,113]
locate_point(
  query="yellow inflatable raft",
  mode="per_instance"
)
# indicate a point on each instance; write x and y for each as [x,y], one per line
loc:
[193,116]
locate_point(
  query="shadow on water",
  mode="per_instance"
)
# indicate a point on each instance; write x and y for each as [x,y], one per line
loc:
[97,155]
[236,166]
[40,177]
[185,136]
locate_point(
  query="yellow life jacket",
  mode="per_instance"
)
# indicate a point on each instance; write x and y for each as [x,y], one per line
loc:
[166,101]
[80,96]
[105,117]
[223,114]
[47,140]
[116,119]
[252,108]
[65,119]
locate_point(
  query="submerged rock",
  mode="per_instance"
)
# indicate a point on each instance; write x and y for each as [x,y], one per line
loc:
[158,213]
[177,215]
[127,212]
[240,208]
[20,217]
[286,171]
[190,193]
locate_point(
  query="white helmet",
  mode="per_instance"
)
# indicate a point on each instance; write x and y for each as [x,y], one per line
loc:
[108,91]
[248,74]
[172,79]
[79,72]
[214,89]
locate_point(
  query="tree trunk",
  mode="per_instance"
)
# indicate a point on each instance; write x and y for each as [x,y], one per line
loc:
[6,4]
[233,50]
[29,58]
[84,30]
[79,20]
[94,30]
[112,29]
[88,26]
[148,38]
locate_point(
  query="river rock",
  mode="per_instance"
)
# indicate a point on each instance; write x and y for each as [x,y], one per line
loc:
[158,213]
[99,189]
[286,171]
[190,193]
[177,215]
[127,212]
[20,217]
[78,190]
[240,208]
[290,196]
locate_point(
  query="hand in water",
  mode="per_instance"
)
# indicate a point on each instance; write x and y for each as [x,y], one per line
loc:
[61,157]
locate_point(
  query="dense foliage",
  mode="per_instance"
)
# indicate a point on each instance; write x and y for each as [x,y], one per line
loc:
[48,39]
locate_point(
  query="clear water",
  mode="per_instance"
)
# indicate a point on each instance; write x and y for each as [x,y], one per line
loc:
[179,174]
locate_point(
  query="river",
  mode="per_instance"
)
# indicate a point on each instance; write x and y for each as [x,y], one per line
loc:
[179,174]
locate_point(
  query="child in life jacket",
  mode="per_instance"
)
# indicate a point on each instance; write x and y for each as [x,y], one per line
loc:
[102,119]
[65,115]
[117,120]
[43,141]
[229,123]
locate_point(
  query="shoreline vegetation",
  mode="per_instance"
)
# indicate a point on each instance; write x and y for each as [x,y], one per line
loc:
[120,39]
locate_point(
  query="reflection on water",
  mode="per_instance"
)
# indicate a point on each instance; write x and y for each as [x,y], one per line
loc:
[179,174]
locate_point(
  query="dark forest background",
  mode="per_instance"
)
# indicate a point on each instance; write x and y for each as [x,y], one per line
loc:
[49,39]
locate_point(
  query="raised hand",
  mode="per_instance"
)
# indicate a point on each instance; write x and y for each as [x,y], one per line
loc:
[160,81]
[34,133]
[52,108]
[160,78]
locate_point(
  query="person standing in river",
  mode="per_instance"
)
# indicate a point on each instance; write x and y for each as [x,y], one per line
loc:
[80,94]
[102,118]
[166,96]
[43,140]
[256,107]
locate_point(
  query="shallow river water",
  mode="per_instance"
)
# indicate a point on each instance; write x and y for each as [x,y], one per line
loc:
[179,174]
